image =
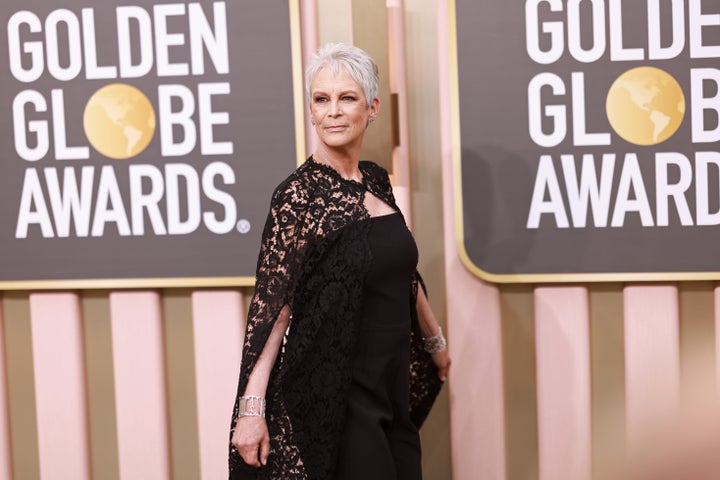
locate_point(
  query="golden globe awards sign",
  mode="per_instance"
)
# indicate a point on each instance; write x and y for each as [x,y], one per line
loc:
[589,139]
[141,141]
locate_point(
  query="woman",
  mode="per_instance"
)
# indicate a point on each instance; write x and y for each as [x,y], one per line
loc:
[336,375]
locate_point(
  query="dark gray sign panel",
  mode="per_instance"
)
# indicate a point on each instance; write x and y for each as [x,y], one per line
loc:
[588,139]
[140,142]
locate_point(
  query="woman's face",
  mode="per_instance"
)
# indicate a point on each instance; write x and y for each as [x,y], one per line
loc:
[338,109]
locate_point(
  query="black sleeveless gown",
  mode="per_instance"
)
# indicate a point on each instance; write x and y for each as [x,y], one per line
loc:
[380,442]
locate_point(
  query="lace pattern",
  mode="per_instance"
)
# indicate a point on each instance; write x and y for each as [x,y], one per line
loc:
[313,258]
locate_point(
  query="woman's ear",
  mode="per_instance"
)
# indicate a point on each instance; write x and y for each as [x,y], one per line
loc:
[374,107]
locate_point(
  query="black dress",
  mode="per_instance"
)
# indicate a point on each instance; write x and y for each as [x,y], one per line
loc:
[380,441]
[315,257]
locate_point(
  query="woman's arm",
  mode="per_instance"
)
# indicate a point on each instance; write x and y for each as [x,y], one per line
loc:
[429,327]
[251,437]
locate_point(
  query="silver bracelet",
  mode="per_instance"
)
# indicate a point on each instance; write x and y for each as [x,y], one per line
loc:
[251,406]
[435,344]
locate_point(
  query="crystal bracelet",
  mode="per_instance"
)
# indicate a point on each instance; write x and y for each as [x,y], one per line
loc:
[435,344]
[251,406]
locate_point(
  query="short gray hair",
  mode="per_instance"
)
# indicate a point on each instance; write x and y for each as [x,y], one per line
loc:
[353,60]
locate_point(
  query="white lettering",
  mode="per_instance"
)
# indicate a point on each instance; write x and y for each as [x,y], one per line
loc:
[225,199]
[70,203]
[580,135]
[546,181]
[698,21]
[655,49]
[128,69]
[702,187]
[146,201]
[587,189]
[69,194]
[209,118]
[34,48]
[215,40]
[32,193]
[173,173]
[618,52]
[701,133]
[664,190]
[62,150]
[70,42]
[38,127]
[54,47]
[110,206]
[556,112]
[182,118]
[554,29]
[574,33]
[164,40]
[631,178]
[92,69]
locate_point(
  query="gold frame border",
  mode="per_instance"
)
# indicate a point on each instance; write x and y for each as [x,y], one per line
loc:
[198,282]
[459,226]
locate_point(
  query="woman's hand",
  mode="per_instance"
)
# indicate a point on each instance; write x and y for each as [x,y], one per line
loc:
[442,362]
[252,440]
[429,328]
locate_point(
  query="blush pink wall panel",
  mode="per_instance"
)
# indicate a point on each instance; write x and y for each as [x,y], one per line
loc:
[5,458]
[476,379]
[60,393]
[652,357]
[218,327]
[562,339]
[474,328]
[309,34]
[717,339]
[140,379]
[398,85]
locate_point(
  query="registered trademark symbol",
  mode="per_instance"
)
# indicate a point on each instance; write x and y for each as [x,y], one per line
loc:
[243,226]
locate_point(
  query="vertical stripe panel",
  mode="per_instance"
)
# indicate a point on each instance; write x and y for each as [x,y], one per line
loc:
[519,368]
[398,85]
[100,384]
[477,408]
[140,396]
[60,386]
[5,454]
[182,403]
[563,383]
[300,116]
[607,348]
[476,377]
[370,32]
[413,64]
[717,337]
[652,365]
[697,340]
[21,386]
[334,21]
[309,34]
[219,325]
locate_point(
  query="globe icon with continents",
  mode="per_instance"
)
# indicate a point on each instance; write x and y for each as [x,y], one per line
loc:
[645,106]
[119,121]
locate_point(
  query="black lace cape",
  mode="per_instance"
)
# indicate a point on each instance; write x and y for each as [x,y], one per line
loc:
[313,258]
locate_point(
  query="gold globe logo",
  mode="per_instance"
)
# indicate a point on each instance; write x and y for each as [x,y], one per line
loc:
[119,121]
[645,106]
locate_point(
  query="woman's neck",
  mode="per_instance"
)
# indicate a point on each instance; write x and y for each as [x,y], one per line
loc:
[344,162]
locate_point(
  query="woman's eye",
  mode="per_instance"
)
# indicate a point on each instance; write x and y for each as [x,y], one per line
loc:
[320,99]
[348,98]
